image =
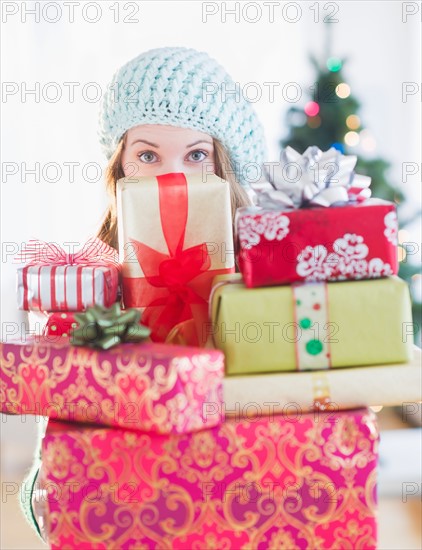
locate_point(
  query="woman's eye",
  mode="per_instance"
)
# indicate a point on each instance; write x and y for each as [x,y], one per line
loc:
[147,157]
[197,156]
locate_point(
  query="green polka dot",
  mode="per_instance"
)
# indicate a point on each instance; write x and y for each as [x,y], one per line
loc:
[298,302]
[305,322]
[313,347]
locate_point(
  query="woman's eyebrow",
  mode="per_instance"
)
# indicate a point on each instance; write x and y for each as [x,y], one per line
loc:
[199,141]
[145,141]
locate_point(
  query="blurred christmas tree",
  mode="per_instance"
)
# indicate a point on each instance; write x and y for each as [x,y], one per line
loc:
[330,119]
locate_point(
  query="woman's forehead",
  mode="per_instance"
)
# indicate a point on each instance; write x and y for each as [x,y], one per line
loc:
[162,130]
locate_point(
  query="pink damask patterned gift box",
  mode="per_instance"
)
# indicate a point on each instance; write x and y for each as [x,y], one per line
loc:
[149,387]
[350,242]
[301,482]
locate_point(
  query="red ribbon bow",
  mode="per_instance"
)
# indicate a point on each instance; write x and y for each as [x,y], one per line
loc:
[172,284]
[94,252]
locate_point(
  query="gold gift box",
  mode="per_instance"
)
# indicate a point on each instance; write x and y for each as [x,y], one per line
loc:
[370,323]
[296,393]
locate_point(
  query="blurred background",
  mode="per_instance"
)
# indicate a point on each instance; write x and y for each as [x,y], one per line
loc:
[327,73]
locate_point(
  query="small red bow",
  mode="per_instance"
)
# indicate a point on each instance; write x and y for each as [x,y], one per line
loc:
[94,252]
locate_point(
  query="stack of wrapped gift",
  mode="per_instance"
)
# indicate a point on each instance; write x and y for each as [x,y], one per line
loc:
[173,472]
[318,291]
[54,283]
[169,469]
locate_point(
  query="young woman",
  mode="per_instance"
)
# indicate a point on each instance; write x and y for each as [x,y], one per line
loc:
[167,110]
[177,110]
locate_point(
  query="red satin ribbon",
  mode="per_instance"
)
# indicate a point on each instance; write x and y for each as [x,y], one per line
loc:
[176,285]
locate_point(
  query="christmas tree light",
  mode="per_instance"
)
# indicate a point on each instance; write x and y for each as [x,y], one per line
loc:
[311,108]
[351,139]
[401,253]
[314,122]
[343,90]
[353,122]
[334,64]
[338,146]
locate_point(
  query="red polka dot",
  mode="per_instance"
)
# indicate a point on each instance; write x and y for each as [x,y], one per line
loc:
[317,306]
[328,355]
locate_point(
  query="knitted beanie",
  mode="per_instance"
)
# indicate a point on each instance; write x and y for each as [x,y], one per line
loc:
[186,88]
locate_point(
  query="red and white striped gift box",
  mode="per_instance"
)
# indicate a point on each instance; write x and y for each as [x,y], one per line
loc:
[66,287]
[54,280]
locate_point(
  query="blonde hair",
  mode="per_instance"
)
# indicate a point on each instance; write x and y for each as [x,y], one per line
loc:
[114,172]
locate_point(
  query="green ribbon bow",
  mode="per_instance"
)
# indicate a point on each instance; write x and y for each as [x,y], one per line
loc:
[103,327]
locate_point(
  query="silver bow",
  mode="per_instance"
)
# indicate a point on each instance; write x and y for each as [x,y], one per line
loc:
[315,178]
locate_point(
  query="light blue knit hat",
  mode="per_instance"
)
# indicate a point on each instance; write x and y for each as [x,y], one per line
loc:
[186,88]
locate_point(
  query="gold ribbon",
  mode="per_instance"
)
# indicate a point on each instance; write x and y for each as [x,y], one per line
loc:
[321,391]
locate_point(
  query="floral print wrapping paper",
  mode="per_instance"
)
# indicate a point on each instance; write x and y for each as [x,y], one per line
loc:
[335,243]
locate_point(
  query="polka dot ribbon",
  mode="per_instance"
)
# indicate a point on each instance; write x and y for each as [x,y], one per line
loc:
[311,318]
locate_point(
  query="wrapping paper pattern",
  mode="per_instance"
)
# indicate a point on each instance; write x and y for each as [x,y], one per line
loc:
[60,324]
[148,387]
[275,482]
[348,242]
[171,252]
[263,330]
[66,288]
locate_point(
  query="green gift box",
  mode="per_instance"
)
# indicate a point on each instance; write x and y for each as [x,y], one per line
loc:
[311,326]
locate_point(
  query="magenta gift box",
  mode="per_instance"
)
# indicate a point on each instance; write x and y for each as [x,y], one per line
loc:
[146,386]
[300,482]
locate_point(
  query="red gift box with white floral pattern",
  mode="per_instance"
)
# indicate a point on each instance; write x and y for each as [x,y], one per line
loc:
[357,241]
